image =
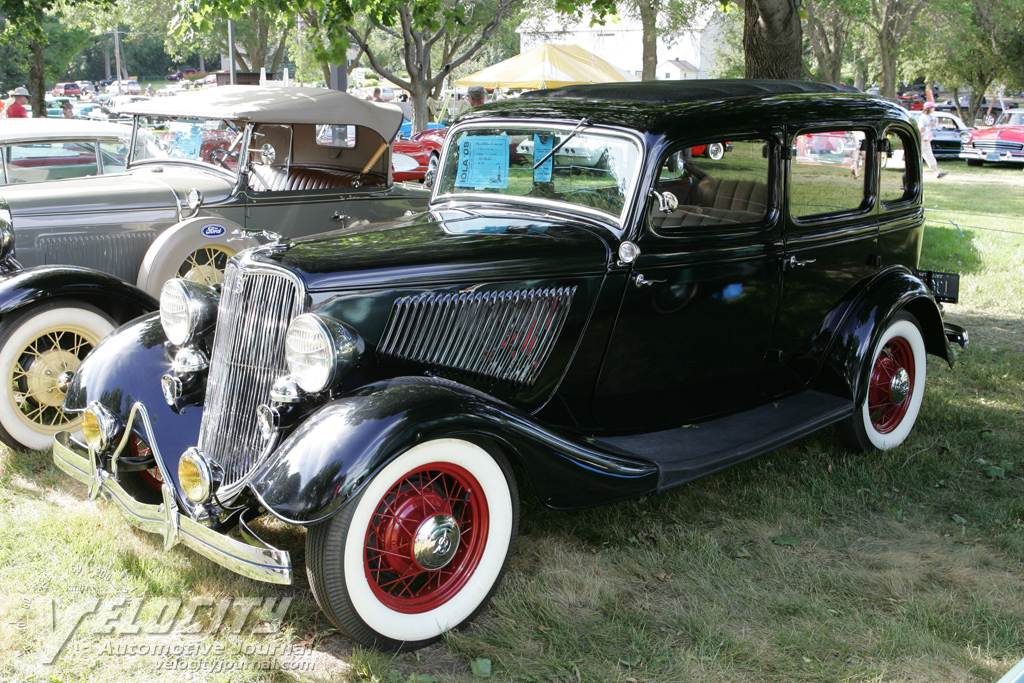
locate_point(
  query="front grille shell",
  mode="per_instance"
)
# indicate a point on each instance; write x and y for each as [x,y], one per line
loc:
[257,304]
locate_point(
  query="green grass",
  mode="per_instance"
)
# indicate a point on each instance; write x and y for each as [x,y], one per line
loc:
[906,564]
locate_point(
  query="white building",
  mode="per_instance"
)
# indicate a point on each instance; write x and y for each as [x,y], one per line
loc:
[690,53]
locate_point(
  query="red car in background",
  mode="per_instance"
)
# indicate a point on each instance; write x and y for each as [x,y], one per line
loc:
[67,89]
[417,157]
[1003,142]
[912,102]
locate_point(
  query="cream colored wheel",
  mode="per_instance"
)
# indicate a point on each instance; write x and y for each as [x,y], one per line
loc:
[206,265]
[40,350]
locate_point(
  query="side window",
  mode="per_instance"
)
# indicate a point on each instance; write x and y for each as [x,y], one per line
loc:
[717,184]
[35,162]
[114,154]
[827,173]
[895,183]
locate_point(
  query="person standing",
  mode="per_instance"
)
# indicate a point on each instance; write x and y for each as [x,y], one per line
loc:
[926,124]
[17,109]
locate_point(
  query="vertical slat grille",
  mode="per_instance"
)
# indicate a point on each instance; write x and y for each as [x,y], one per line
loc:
[119,254]
[248,354]
[504,335]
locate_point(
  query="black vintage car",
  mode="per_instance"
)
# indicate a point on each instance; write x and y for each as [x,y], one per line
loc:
[546,321]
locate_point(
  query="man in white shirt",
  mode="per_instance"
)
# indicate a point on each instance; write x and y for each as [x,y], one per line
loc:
[926,124]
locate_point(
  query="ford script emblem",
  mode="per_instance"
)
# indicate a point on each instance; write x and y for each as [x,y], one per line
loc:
[212,231]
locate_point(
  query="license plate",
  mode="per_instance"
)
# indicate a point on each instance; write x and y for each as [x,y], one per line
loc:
[992,156]
[945,286]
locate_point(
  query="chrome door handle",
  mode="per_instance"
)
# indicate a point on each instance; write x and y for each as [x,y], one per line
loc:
[793,262]
[639,280]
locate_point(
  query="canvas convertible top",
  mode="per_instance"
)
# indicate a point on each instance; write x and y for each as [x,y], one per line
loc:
[276,104]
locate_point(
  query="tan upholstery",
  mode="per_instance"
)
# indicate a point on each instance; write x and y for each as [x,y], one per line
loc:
[281,179]
[713,202]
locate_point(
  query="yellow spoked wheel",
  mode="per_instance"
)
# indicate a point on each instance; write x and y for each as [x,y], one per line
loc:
[206,265]
[40,351]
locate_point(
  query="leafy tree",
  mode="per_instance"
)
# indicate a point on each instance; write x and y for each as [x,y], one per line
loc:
[661,19]
[827,30]
[25,19]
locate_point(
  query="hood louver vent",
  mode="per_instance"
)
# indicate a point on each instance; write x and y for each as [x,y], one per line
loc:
[504,335]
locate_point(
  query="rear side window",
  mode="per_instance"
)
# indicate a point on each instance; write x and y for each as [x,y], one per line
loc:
[896,184]
[40,161]
[718,184]
[827,174]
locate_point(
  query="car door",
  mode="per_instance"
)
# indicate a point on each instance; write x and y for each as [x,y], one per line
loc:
[697,314]
[831,241]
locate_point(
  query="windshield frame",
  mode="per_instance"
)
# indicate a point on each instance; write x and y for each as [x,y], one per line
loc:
[241,145]
[564,126]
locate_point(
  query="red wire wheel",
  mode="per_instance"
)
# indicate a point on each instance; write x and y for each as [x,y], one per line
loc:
[892,385]
[410,569]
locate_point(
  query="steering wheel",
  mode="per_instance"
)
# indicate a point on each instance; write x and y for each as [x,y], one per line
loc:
[220,156]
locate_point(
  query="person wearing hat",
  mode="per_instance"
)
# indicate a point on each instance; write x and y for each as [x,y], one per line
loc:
[476,95]
[17,110]
[926,124]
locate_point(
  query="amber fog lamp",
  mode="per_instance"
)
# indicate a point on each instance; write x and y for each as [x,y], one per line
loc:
[100,426]
[187,310]
[320,350]
[198,475]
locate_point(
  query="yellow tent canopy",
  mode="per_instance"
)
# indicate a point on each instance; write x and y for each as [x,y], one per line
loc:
[547,66]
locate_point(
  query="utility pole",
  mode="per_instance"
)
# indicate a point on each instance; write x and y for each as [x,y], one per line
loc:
[117,57]
[231,49]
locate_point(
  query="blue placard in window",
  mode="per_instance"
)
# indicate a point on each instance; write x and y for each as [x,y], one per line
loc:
[542,145]
[483,162]
[188,141]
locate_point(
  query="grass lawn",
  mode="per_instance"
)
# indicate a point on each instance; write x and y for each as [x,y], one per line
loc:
[807,564]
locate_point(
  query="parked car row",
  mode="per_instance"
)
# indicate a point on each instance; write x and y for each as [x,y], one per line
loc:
[587,305]
[1002,143]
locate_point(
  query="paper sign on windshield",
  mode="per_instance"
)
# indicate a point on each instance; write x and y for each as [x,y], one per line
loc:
[483,162]
[188,141]
[542,145]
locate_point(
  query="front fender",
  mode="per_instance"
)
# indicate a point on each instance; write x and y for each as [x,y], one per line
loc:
[125,369]
[120,300]
[339,448]
[848,336]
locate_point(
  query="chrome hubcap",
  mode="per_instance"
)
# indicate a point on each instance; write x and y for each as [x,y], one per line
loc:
[436,541]
[899,386]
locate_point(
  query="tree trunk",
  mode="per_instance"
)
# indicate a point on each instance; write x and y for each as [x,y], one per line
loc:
[887,60]
[37,78]
[649,22]
[772,39]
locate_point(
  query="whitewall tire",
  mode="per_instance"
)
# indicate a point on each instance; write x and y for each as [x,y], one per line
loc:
[421,549]
[40,350]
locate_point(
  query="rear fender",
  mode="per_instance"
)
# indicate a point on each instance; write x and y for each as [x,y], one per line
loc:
[848,335]
[339,448]
[118,299]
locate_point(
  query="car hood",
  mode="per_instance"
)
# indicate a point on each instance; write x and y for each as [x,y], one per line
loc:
[1015,133]
[141,188]
[447,246]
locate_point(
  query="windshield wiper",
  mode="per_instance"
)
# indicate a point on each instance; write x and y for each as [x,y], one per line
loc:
[583,122]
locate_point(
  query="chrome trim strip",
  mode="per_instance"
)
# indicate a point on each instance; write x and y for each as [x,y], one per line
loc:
[249,559]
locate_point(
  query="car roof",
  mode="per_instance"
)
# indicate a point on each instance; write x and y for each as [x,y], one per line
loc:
[276,104]
[676,92]
[37,129]
[709,105]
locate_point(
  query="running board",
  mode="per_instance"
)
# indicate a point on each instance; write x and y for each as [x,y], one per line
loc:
[693,451]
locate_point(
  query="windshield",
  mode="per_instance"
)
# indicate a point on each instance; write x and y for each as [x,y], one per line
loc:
[592,169]
[213,142]
[1011,118]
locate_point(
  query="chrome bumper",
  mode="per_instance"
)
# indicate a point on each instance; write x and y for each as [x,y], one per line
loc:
[254,559]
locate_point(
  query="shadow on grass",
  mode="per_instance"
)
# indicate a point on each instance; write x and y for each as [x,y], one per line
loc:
[947,248]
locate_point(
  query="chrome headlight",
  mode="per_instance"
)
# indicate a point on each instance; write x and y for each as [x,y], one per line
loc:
[187,310]
[198,475]
[320,351]
[194,198]
[100,426]
[6,232]
[965,137]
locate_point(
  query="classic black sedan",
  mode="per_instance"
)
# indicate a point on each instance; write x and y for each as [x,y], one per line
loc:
[602,331]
